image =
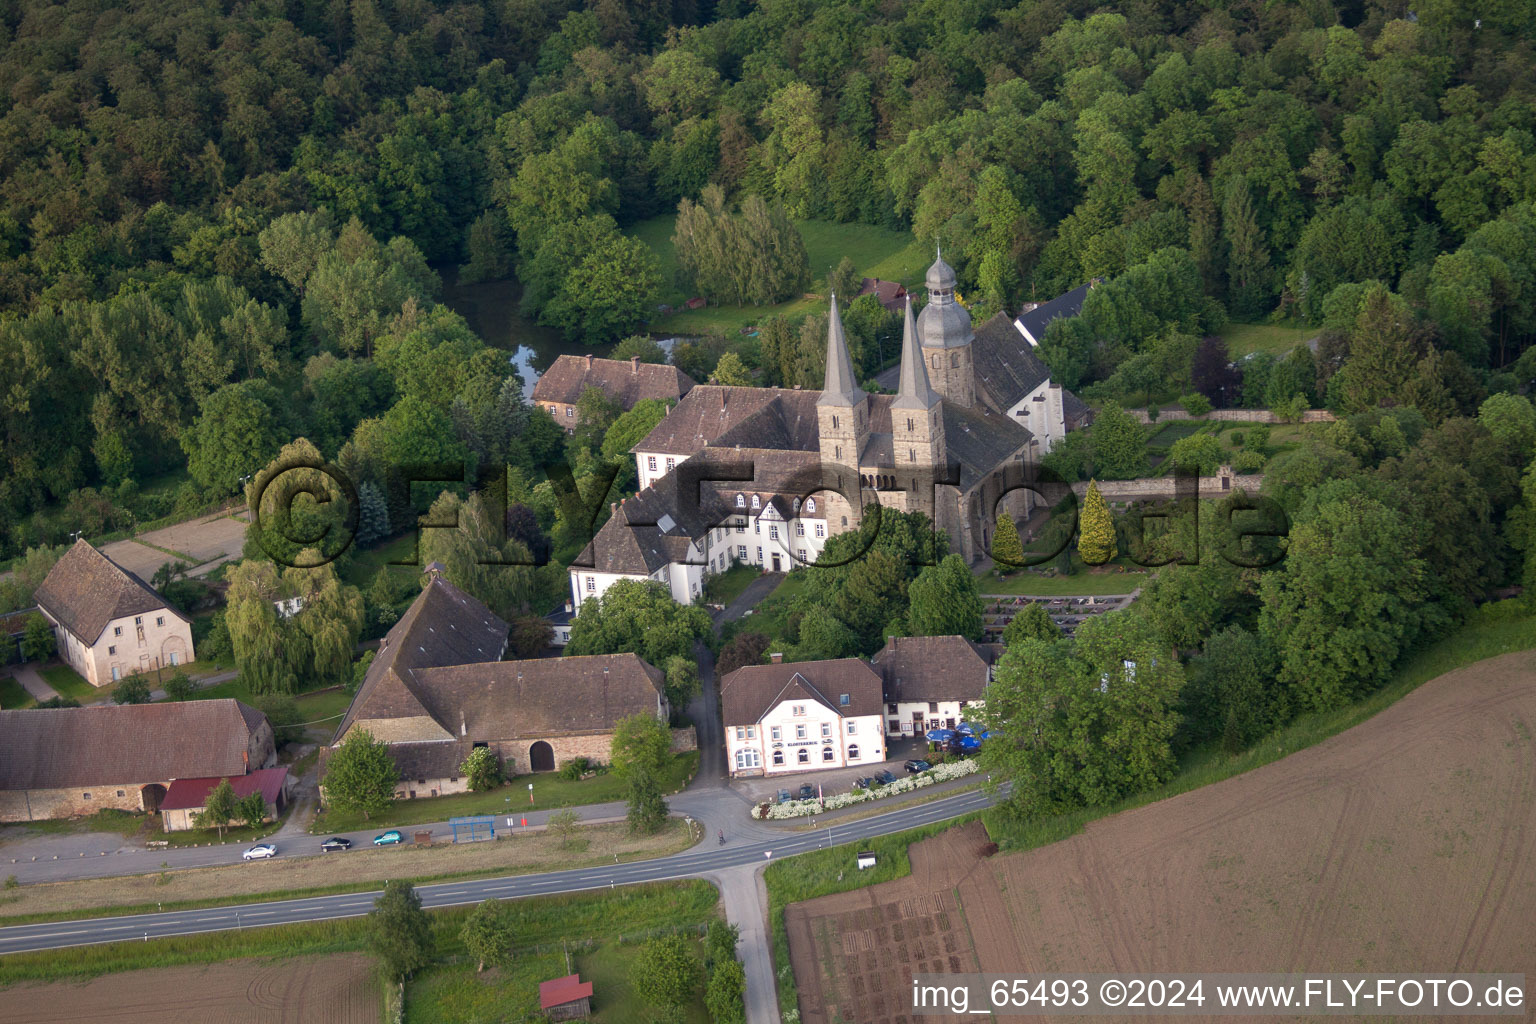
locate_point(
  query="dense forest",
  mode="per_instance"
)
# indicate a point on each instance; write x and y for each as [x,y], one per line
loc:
[219,221]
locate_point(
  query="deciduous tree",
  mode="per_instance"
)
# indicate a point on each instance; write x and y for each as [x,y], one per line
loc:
[360,777]
[399,933]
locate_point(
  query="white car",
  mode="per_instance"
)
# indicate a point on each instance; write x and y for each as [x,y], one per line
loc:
[261,852]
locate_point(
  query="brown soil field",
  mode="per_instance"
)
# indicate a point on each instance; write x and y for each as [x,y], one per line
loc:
[1406,843]
[517,854]
[338,989]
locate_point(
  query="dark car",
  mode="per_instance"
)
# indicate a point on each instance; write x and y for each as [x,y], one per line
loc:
[336,843]
[862,783]
[783,796]
[916,767]
[884,777]
[807,792]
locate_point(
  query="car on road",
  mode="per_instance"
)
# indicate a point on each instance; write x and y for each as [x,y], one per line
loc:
[807,791]
[261,851]
[884,777]
[862,783]
[916,766]
[390,838]
[783,796]
[336,843]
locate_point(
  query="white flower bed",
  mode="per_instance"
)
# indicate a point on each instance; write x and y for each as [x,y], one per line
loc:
[799,808]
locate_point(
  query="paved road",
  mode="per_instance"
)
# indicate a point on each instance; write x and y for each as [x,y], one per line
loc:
[705,859]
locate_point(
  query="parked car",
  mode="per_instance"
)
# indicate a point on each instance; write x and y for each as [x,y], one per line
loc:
[862,783]
[261,852]
[389,838]
[336,843]
[807,791]
[884,777]
[917,766]
[783,796]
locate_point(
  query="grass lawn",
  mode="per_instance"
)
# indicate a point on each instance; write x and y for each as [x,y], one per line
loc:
[877,252]
[68,683]
[1165,434]
[124,823]
[13,695]
[771,616]
[725,587]
[1082,584]
[601,931]
[359,870]
[1245,338]
[549,790]
[365,562]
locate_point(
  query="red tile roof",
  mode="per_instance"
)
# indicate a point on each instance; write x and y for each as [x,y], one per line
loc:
[185,794]
[563,990]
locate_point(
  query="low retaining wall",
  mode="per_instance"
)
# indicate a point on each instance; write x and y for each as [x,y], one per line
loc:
[1122,491]
[1232,416]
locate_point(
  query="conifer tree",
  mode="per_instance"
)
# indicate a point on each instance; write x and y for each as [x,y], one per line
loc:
[1007,548]
[1096,541]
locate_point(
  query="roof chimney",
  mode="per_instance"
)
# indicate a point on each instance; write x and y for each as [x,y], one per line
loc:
[634,364]
[589,360]
[613,508]
[567,605]
[777,657]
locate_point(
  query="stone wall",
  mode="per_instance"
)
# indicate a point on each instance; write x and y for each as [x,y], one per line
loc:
[42,804]
[1121,492]
[1232,416]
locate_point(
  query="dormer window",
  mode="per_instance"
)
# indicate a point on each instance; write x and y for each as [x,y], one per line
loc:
[810,504]
[757,502]
[797,504]
[741,501]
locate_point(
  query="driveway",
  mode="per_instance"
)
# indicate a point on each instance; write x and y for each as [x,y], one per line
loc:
[751,597]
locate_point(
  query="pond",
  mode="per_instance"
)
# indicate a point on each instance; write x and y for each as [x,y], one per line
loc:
[491,309]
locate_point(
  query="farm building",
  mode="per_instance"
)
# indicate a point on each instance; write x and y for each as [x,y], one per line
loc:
[187,797]
[626,382]
[437,689]
[567,998]
[63,762]
[108,623]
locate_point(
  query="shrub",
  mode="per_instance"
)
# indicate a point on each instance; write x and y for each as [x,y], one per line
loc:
[574,769]
[1248,461]
[1237,438]
[1195,403]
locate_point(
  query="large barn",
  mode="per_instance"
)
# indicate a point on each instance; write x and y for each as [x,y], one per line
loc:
[62,762]
[437,689]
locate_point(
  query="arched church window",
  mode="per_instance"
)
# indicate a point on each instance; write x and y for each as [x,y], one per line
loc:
[954,359]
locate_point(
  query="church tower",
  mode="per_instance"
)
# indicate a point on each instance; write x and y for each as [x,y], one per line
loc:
[842,411]
[945,330]
[917,421]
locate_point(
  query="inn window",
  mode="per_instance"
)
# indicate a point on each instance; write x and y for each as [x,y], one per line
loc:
[827,754]
[799,709]
[853,751]
[799,732]
[826,729]
[853,728]
[778,758]
[805,756]
[933,707]
[776,732]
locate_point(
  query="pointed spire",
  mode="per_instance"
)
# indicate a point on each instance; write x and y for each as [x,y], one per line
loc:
[914,392]
[840,387]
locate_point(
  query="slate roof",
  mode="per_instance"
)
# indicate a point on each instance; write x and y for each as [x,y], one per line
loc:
[625,381]
[1035,321]
[192,794]
[654,528]
[66,748]
[980,441]
[443,626]
[918,668]
[86,590]
[713,414]
[1007,368]
[751,691]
